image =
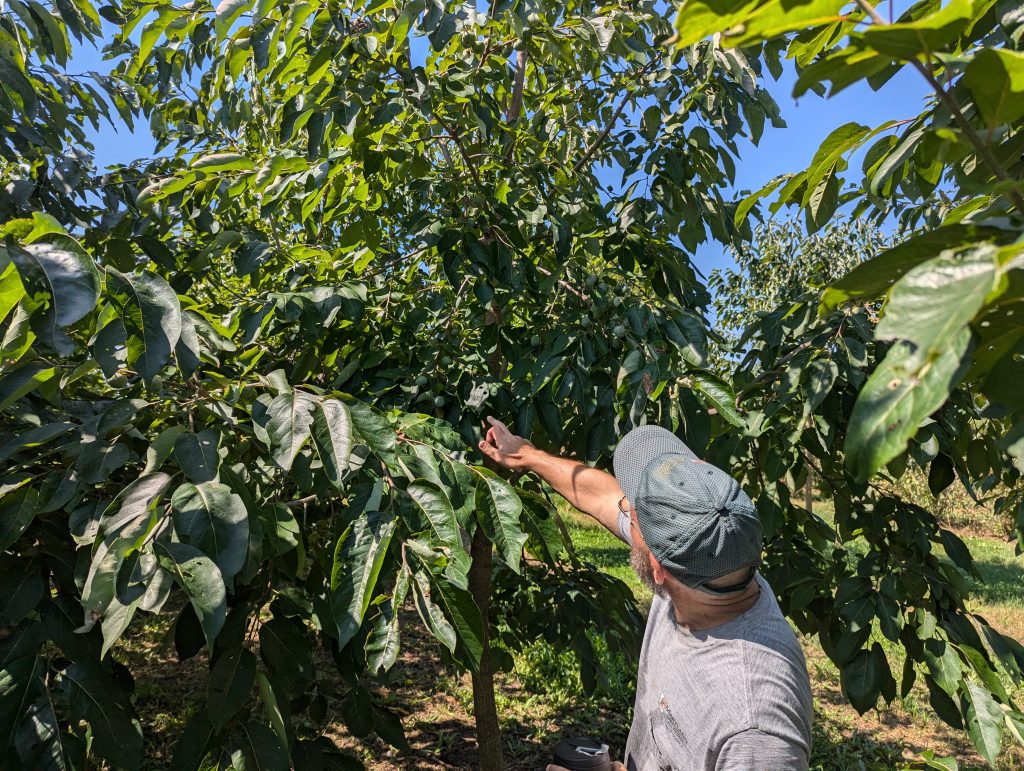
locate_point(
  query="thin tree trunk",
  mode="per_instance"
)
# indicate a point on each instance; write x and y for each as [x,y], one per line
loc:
[488,734]
[809,489]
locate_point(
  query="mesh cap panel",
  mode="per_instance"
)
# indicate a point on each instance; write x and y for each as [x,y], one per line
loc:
[695,518]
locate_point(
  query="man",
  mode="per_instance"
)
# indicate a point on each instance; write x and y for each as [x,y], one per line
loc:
[722,682]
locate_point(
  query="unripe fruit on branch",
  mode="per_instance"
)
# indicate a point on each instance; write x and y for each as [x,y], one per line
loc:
[439,401]
[585,322]
[422,380]
[619,331]
[535,341]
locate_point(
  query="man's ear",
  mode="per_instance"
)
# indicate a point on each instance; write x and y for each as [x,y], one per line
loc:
[657,571]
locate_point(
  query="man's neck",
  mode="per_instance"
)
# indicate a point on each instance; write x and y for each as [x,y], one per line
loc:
[700,611]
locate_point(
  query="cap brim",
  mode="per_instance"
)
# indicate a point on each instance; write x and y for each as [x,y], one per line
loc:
[637,449]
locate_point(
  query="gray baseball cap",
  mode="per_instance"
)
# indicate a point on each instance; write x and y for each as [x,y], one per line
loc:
[695,518]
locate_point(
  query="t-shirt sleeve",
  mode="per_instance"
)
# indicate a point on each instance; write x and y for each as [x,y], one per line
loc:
[625,531]
[758,749]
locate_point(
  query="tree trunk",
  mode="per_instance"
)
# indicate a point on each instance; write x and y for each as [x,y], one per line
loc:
[809,489]
[488,734]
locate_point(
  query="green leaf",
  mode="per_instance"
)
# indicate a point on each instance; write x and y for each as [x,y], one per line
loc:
[907,40]
[59,272]
[200,577]
[718,394]
[498,508]
[940,474]
[358,556]
[903,390]
[934,301]
[212,518]
[226,12]
[254,747]
[198,455]
[17,510]
[20,683]
[687,333]
[33,438]
[133,502]
[943,664]
[22,381]
[372,428]
[862,678]
[748,203]
[995,77]
[744,23]
[332,435]
[194,744]
[461,610]
[438,510]
[286,647]
[820,376]
[874,277]
[384,640]
[23,588]
[272,708]
[95,697]
[957,551]
[290,420]
[431,615]
[151,314]
[984,721]
[230,684]
[223,162]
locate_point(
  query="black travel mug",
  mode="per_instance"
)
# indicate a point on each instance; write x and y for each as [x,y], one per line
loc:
[583,754]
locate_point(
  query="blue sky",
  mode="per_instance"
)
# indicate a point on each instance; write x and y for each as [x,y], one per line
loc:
[809,121]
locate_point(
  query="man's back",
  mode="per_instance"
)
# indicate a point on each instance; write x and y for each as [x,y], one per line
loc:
[733,697]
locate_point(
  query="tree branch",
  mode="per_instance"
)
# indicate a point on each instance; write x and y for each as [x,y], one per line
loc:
[516,104]
[611,123]
[462,150]
[983,150]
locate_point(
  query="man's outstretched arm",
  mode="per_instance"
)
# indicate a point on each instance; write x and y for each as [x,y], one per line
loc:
[590,490]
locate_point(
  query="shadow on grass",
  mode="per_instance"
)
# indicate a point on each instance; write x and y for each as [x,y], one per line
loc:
[1001,581]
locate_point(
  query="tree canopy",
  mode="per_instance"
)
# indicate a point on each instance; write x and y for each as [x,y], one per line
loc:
[243,379]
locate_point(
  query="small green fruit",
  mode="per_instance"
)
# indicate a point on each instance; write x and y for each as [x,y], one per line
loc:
[602,287]
[585,322]
[535,341]
[422,380]
[117,381]
[439,401]
[591,280]
[446,361]
[619,331]
[617,302]
[620,289]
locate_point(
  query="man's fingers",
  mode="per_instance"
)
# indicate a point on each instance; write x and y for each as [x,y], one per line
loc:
[489,450]
[497,424]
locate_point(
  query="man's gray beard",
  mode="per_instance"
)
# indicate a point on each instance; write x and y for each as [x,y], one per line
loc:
[640,560]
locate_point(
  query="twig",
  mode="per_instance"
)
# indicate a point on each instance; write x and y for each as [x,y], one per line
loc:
[301,502]
[462,149]
[611,122]
[565,284]
[983,150]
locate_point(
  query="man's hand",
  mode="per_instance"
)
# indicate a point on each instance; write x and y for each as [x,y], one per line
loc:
[505,448]
[616,766]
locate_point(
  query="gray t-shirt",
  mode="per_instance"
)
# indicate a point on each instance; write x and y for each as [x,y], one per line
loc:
[733,697]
